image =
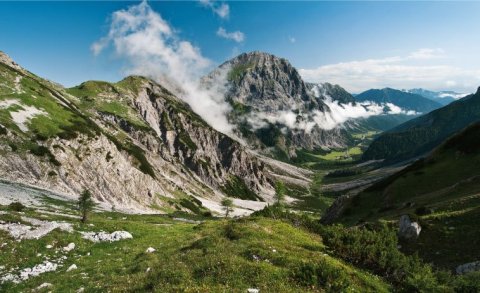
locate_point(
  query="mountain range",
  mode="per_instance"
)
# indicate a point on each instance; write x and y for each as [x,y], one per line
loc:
[99,135]
[420,135]
[132,143]
[414,103]
[274,110]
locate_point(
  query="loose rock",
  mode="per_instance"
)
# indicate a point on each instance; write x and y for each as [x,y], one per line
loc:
[408,229]
[72,267]
[468,267]
[69,247]
[104,236]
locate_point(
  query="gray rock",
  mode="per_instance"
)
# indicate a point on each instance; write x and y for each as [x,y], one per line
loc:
[408,229]
[72,267]
[468,267]
[106,237]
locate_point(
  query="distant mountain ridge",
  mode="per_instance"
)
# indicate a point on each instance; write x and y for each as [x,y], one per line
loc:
[404,100]
[420,135]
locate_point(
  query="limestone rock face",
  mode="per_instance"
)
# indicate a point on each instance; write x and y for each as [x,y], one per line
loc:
[408,229]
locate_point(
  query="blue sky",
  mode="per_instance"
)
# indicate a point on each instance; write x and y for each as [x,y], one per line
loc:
[356,44]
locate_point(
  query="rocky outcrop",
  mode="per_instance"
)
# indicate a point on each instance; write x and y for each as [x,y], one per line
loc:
[468,267]
[408,230]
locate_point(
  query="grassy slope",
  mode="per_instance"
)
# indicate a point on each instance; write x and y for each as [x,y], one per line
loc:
[35,92]
[447,183]
[215,256]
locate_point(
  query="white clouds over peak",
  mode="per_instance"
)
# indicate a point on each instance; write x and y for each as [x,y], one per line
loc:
[411,71]
[151,47]
[220,9]
[236,36]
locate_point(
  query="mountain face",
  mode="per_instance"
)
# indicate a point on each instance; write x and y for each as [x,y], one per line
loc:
[406,101]
[133,144]
[334,91]
[422,134]
[274,109]
[441,189]
[442,97]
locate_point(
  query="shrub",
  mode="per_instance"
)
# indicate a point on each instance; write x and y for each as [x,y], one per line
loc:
[85,204]
[421,211]
[16,206]
[372,247]
[469,283]
[321,274]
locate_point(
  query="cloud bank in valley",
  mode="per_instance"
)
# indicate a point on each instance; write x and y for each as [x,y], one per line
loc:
[152,48]
[417,69]
[339,114]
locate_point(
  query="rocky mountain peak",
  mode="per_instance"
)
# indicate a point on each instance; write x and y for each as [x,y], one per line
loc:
[267,83]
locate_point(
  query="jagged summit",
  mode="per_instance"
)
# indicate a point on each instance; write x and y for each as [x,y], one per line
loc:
[267,83]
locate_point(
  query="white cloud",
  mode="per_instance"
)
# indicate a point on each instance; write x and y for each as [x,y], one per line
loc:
[427,53]
[152,48]
[338,114]
[236,36]
[409,71]
[220,9]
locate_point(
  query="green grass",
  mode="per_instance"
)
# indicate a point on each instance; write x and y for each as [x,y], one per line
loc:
[236,187]
[238,71]
[216,256]
[446,185]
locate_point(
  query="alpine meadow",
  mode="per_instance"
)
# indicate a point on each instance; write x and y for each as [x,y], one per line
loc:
[239,146]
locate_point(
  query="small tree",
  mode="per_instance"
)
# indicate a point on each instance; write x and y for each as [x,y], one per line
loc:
[85,204]
[279,192]
[227,205]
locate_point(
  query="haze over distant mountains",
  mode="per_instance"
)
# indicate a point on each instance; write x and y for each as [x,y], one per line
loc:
[442,97]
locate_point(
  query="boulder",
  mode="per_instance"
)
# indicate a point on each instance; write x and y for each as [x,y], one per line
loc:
[69,247]
[408,229]
[150,250]
[468,267]
[72,267]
